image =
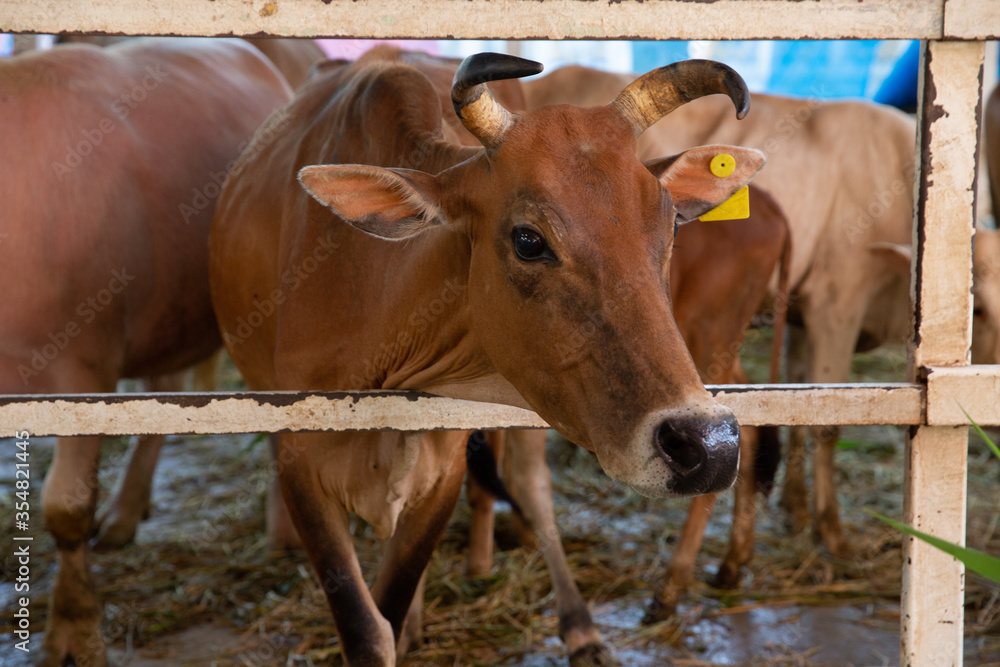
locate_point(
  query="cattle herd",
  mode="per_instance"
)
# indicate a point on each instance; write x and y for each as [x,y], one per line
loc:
[396,223]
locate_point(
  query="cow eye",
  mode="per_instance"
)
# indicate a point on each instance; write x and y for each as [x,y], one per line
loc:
[529,244]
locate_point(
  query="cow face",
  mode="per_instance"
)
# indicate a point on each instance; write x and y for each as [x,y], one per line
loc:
[986,291]
[568,277]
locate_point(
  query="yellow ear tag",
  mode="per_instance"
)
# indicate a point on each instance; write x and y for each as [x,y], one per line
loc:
[736,207]
[722,165]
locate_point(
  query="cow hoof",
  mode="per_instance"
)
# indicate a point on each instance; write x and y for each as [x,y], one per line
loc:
[727,577]
[797,519]
[839,547]
[114,533]
[592,655]
[658,610]
[73,648]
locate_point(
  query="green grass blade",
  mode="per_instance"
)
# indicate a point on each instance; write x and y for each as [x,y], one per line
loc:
[982,434]
[977,561]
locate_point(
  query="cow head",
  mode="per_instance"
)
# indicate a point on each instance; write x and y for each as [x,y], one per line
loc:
[570,241]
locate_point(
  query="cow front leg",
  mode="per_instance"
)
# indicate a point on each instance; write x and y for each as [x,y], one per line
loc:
[418,531]
[680,574]
[531,486]
[69,499]
[366,637]
[413,627]
[130,501]
[744,514]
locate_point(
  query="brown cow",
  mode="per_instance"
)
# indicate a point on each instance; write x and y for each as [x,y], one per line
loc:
[130,502]
[842,174]
[112,158]
[551,226]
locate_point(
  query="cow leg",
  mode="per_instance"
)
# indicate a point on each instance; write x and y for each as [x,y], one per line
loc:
[680,574]
[413,627]
[281,533]
[366,637]
[69,499]
[827,519]
[794,493]
[130,502]
[831,347]
[418,530]
[744,514]
[479,561]
[531,485]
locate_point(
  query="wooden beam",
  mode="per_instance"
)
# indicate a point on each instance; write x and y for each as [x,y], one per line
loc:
[974,389]
[500,19]
[935,480]
[251,412]
[971,19]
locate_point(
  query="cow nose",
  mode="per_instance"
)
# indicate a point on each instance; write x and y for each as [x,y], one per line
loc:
[684,452]
[702,452]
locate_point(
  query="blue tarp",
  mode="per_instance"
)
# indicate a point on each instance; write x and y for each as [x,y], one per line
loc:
[823,69]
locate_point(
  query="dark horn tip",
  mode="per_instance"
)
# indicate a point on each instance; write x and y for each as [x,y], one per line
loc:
[738,92]
[484,67]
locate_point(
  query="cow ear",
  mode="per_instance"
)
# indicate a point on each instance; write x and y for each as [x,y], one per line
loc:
[702,178]
[391,204]
[895,255]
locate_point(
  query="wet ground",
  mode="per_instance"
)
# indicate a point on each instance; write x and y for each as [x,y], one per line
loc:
[201,588]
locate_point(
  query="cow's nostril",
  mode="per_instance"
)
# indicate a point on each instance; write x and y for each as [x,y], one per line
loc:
[685,453]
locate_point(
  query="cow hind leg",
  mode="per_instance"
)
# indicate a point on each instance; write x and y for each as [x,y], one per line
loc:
[827,522]
[795,494]
[479,560]
[69,499]
[680,574]
[130,501]
[531,485]
[744,514]
[281,533]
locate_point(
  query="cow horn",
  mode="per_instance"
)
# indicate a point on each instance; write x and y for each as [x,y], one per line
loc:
[476,107]
[652,96]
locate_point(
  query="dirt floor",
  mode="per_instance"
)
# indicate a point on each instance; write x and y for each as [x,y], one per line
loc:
[201,588]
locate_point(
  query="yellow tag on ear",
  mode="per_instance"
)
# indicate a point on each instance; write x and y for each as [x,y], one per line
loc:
[722,165]
[736,207]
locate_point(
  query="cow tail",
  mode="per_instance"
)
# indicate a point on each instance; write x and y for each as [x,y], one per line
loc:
[482,467]
[781,309]
[768,454]
[766,459]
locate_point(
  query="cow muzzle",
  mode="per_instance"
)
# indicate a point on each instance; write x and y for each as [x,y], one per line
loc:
[703,454]
[681,452]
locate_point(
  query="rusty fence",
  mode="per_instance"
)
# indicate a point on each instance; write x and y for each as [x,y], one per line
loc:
[951,95]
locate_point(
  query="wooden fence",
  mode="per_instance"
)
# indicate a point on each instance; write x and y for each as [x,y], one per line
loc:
[941,377]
